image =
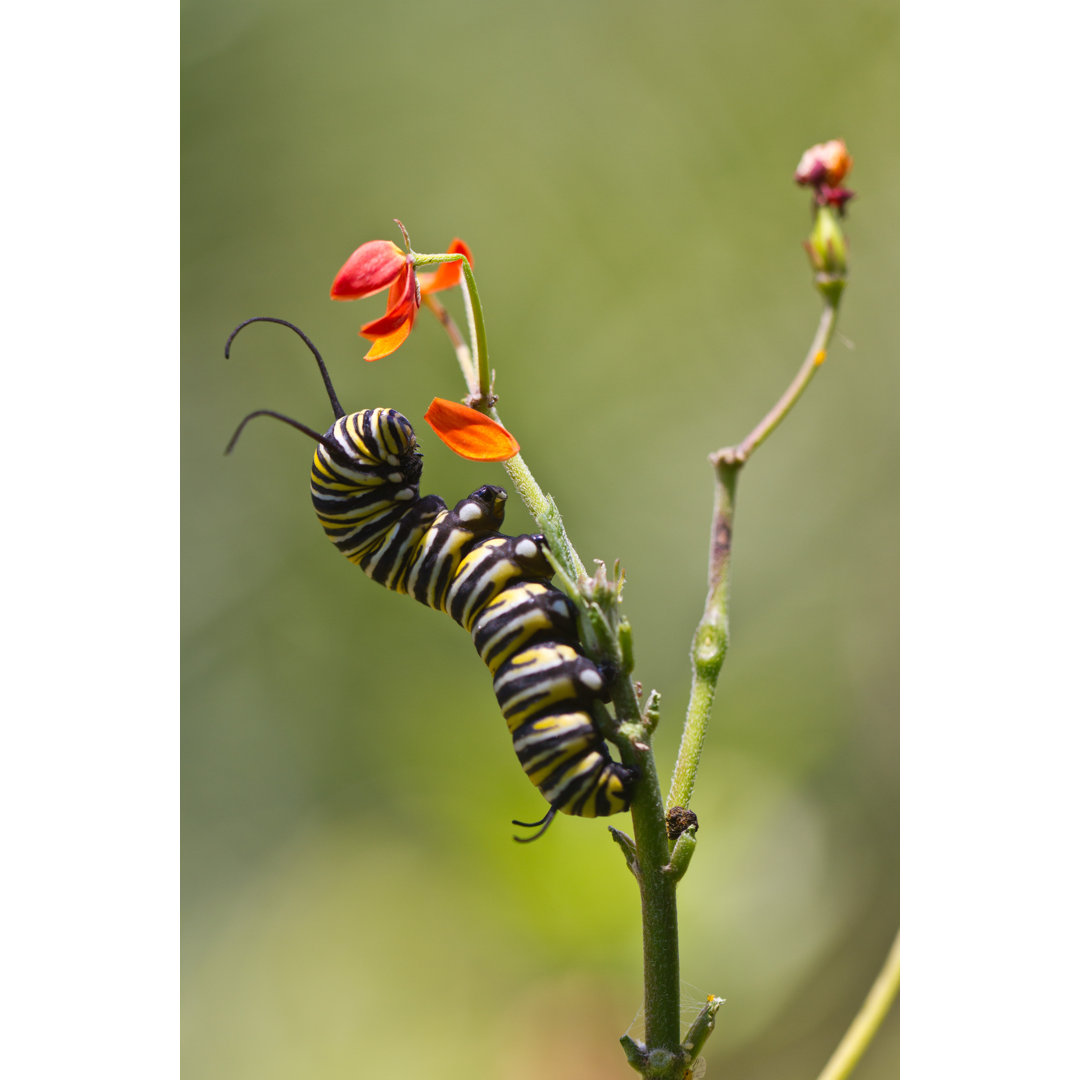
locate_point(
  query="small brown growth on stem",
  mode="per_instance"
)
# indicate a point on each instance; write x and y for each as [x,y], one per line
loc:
[679,819]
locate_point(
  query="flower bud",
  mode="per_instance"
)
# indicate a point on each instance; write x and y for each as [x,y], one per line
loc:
[827,246]
[823,167]
[827,249]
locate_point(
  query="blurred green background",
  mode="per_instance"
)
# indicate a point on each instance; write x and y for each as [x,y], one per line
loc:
[353,904]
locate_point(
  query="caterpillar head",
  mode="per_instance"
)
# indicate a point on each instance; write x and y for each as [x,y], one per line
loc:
[378,443]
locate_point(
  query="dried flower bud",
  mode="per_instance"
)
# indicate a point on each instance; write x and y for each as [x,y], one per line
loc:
[826,163]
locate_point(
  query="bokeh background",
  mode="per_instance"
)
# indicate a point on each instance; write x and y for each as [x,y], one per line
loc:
[353,904]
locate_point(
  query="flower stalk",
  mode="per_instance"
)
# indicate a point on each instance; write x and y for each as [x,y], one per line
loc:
[478,380]
[477,372]
[475,315]
[462,349]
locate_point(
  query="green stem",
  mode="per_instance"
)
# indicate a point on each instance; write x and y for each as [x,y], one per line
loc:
[659,915]
[710,642]
[866,1023]
[479,335]
[544,512]
[475,315]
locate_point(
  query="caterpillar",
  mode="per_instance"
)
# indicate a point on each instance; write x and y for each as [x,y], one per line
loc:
[365,489]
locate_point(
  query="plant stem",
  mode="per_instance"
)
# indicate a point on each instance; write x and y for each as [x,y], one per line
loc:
[866,1023]
[814,359]
[542,508]
[659,915]
[462,350]
[479,334]
[710,642]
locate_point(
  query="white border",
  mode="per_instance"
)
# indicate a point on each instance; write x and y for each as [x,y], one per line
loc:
[90,450]
[989,377]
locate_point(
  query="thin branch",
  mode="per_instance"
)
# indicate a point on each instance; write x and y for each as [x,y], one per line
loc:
[868,1019]
[815,357]
[711,637]
[462,349]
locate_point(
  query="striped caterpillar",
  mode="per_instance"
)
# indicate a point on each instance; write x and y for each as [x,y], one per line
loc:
[365,489]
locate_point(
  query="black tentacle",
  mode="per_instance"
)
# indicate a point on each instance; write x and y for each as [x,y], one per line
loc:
[334,403]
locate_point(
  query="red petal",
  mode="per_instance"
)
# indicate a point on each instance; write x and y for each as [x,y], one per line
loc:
[404,286]
[400,305]
[469,433]
[448,274]
[368,270]
[387,324]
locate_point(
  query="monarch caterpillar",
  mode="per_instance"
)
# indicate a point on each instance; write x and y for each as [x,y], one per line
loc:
[365,489]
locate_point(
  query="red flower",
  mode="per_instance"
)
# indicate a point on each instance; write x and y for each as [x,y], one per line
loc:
[469,433]
[379,264]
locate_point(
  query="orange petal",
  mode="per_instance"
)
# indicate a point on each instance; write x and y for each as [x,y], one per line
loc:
[385,344]
[448,273]
[837,161]
[469,433]
[368,270]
